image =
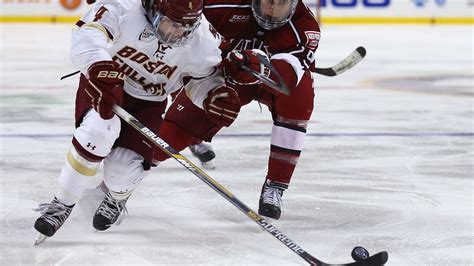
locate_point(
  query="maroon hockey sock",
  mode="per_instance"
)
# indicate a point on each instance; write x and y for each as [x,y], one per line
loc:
[280,171]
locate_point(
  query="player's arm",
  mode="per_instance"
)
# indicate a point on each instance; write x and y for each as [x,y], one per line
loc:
[205,85]
[300,52]
[289,68]
[91,35]
[289,63]
[208,90]
[220,101]
[89,54]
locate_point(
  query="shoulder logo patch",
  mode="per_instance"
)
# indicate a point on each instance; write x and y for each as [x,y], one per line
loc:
[146,35]
[312,39]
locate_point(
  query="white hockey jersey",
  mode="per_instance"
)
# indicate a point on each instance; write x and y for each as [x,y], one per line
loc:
[118,30]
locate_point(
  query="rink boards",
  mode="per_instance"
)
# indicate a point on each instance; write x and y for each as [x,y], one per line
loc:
[331,11]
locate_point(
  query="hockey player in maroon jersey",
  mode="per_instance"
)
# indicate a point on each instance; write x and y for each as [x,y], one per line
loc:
[287,32]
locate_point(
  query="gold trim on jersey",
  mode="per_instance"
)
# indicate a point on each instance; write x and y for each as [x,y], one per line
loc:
[97,26]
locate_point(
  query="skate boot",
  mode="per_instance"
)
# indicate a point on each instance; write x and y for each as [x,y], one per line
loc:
[204,153]
[53,216]
[91,198]
[110,211]
[270,203]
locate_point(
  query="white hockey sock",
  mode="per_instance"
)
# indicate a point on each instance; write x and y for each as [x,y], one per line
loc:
[121,195]
[76,176]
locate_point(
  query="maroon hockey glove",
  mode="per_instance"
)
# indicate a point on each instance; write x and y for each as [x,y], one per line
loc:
[222,105]
[105,87]
[233,72]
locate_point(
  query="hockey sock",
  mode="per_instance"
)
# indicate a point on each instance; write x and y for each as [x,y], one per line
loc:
[76,176]
[286,144]
[281,165]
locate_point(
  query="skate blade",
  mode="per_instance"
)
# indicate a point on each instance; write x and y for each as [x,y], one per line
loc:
[40,239]
[208,165]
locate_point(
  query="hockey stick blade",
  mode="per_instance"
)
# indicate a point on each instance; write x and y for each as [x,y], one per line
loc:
[221,190]
[347,63]
[378,259]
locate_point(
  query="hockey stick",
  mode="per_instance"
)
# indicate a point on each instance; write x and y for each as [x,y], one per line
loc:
[279,86]
[70,75]
[347,63]
[377,259]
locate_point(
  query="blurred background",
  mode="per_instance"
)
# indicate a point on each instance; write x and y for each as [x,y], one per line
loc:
[326,11]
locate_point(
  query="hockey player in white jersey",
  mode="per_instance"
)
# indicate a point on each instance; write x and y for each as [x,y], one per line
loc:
[132,54]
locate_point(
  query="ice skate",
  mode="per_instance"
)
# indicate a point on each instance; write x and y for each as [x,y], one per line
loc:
[110,211]
[53,216]
[205,154]
[91,198]
[270,203]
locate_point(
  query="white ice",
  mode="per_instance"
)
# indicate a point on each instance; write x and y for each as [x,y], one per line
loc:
[387,164]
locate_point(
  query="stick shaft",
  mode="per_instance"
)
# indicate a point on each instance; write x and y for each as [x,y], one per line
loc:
[160,143]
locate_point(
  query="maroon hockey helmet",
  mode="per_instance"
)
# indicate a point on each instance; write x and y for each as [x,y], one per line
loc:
[173,20]
[272,14]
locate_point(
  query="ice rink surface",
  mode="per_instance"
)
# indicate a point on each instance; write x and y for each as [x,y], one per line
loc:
[387,164]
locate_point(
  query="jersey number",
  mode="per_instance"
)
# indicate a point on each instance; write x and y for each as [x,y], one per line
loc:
[310,56]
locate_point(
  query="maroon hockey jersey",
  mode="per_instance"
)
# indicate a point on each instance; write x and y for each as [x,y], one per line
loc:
[234,20]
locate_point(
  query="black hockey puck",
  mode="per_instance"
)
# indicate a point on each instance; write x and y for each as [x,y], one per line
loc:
[359,253]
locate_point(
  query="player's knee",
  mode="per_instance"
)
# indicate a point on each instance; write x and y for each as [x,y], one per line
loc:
[123,170]
[96,135]
[175,136]
[297,106]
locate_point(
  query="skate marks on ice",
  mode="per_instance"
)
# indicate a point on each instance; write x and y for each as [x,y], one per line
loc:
[349,191]
[459,85]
